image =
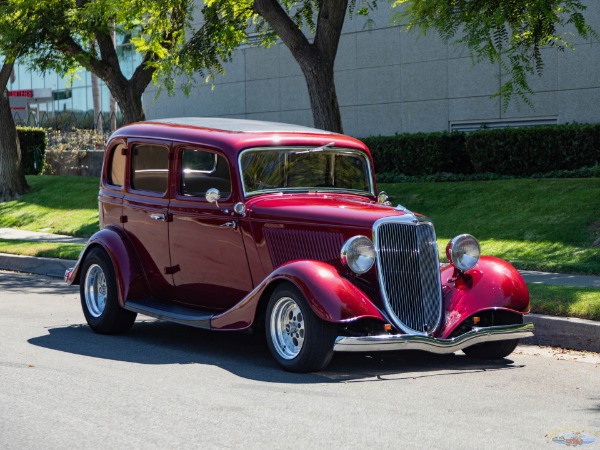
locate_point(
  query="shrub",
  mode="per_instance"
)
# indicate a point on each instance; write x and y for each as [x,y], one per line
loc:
[514,152]
[33,148]
[420,154]
[528,151]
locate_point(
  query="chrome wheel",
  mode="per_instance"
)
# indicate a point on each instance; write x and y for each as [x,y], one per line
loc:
[287,328]
[95,290]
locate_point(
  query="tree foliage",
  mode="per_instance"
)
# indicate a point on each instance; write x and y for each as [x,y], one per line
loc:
[311,30]
[70,34]
[511,33]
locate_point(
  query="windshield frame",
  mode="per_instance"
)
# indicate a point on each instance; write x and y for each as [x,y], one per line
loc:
[325,149]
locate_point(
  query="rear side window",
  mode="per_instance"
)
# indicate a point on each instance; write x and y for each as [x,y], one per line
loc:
[116,166]
[201,171]
[150,168]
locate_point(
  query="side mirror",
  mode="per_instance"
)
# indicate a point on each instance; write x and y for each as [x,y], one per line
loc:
[212,196]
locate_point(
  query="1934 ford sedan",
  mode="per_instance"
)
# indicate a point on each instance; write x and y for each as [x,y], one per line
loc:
[230,224]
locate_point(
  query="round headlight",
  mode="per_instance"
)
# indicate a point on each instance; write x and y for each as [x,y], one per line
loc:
[463,251]
[358,254]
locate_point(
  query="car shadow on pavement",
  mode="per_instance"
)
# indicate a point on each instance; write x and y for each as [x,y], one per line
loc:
[41,284]
[247,355]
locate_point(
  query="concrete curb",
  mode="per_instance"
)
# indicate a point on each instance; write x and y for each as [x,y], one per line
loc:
[565,332]
[51,267]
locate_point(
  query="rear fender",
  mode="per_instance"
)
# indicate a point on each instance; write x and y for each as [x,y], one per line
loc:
[331,297]
[492,284]
[130,280]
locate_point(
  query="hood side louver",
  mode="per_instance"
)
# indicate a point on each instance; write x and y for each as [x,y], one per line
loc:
[288,245]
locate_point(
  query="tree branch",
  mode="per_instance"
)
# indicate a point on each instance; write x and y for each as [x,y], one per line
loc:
[5,72]
[329,27]
[283,25]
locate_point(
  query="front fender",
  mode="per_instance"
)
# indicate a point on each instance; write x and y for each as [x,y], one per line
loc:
[492,284]
[130,280]
[331,297]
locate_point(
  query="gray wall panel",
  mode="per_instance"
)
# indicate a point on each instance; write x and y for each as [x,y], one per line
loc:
[391,81]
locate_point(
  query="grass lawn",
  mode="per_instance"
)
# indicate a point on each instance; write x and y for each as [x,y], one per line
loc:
[61,205]
[543,224]
[565,301]
[44,249]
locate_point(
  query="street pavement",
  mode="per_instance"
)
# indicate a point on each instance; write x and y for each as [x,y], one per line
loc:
[564,332]
[169,386]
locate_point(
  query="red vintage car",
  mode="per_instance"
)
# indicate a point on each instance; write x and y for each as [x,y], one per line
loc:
[230,224]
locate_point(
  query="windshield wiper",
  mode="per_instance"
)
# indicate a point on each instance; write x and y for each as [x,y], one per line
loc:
[313,150]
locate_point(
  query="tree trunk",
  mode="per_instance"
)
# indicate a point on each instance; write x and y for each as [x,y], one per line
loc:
[316,59]
[112,103]
[12,175]
[322,94]
[129,99]
[98,119]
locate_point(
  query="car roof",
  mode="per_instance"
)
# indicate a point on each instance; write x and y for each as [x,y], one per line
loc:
[233,135]
[239,125]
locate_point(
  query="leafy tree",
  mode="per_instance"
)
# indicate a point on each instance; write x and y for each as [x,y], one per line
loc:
[12,174]
[314,50]
[79,33]
[511,33]
[15,38]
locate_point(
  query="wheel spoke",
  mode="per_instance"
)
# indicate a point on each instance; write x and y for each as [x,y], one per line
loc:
[287,328]
[95,290]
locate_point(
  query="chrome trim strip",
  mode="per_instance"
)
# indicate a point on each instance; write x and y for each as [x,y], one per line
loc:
[291,190]
[429,344]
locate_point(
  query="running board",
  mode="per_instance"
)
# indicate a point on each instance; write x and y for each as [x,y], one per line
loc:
[171,312]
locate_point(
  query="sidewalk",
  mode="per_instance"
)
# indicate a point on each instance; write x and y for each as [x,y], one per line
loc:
[567,332]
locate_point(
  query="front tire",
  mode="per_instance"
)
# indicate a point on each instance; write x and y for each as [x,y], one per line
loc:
[99,297]
[491,350]
[298,340]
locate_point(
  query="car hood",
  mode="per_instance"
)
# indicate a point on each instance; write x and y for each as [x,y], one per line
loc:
[337,210]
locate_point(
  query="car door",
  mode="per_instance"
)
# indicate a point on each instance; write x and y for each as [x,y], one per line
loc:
[207,249]
[146,211]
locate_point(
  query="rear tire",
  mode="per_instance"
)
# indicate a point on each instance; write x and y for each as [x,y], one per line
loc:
[298,340]
[99,297]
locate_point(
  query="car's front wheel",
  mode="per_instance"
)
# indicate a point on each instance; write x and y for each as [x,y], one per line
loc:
[297,338]
[491,350]
[99,298]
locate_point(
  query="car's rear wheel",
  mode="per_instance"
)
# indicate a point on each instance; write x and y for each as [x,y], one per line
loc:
[297,338]
[99,298]
[491,350]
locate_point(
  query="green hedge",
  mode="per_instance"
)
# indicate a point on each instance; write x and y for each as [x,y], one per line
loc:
[420,154]
[510,151]
[33,148]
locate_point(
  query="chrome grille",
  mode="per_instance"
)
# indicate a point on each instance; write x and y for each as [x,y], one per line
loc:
[409,275]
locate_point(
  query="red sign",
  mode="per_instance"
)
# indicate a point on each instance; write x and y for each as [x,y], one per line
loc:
[21,93]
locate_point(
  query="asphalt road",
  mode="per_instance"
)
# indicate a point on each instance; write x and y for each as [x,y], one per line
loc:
[168,386]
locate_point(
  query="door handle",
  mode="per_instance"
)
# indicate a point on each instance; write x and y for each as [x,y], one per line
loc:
[229,225]
[158,216]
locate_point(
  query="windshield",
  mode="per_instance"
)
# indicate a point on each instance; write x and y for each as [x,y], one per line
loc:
[305,169]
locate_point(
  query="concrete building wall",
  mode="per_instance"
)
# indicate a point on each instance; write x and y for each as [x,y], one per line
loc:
[390,81]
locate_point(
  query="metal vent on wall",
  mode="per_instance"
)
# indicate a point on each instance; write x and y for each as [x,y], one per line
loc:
[469,126]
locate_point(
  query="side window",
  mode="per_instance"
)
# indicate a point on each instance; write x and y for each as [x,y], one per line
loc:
[116,166]
[150,168]
[201,171]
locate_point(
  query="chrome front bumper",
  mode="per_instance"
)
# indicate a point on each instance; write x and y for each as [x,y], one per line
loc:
[397,342]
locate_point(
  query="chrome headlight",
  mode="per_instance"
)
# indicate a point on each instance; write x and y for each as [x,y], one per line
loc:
[358,254]
[463,251]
